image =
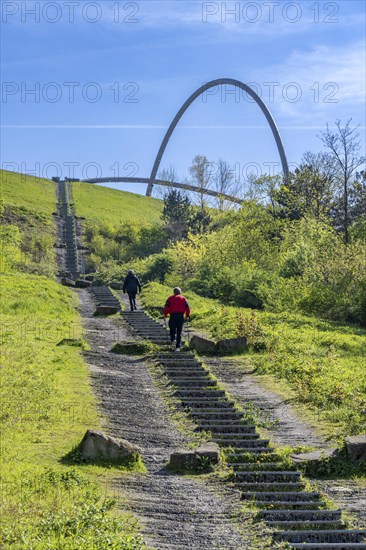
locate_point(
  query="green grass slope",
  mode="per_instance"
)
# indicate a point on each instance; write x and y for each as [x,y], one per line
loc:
[49,499]
[28,194]
[28,231]
[322,362]
[103,205]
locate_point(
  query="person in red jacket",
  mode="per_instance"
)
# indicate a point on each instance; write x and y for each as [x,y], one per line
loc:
[176,306]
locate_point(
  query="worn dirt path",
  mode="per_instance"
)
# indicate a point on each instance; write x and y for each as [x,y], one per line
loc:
[175,511]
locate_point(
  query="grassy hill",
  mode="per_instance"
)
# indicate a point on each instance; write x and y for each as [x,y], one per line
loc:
[28,194]
[110,206]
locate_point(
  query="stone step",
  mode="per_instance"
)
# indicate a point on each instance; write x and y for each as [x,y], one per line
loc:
[290,504]
[183,355]
[255,451]
[212,404]
[273,466]
[184,372]
[204,383]
[223,423]
[151,331]
[305,524]
[276,487]
[240,443]
[267,476]
[209,417]
[235,426]
[301,515]
[322,535]
[163,337]
[234,431]
[200,393]
[181,368]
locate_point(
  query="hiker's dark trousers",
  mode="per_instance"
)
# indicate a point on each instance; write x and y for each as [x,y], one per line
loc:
[176,325]
[132,297]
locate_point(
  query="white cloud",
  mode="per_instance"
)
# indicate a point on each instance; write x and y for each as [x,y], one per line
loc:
[327,78]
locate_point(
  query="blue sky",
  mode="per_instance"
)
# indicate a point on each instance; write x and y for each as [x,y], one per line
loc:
[108,77]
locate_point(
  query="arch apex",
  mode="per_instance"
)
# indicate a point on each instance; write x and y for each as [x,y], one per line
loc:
[202,89]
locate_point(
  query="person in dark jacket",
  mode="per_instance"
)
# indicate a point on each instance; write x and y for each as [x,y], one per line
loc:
[131,284]
[176,306]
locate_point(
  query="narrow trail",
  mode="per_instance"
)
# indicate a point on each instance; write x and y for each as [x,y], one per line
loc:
[288,428]
[175,511]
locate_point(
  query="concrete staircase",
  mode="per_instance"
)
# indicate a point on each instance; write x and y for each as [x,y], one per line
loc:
[72,267]
[297,515]
[106,301]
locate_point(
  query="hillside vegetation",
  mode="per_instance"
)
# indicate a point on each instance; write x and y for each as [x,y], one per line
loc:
[117,223]
[323,362]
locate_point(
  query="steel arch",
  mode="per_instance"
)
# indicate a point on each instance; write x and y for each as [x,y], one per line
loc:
[191,99]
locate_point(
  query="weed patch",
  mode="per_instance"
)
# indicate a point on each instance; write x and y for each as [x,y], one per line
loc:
[138,347]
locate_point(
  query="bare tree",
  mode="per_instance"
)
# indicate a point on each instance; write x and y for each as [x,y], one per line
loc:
[167,174]
[225,184]
[201,172]
[344,146]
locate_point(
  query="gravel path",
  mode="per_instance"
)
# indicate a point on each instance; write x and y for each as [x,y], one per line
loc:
[285,427]
[175,511]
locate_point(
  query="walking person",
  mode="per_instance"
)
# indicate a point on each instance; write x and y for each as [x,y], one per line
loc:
[131,284]
[176,306]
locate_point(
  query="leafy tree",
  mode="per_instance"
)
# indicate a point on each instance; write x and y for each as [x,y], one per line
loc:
[306,191]
[344,146]
[264,190]
[200,221]
[177,215]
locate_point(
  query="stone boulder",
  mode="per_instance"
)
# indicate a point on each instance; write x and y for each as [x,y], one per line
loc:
[89,277]
[200,459]
[106,310]
[67,282]
[356,447]
[202,345]
[83,283]
[314,456]
[116,286]
[98,446]
[231,345]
